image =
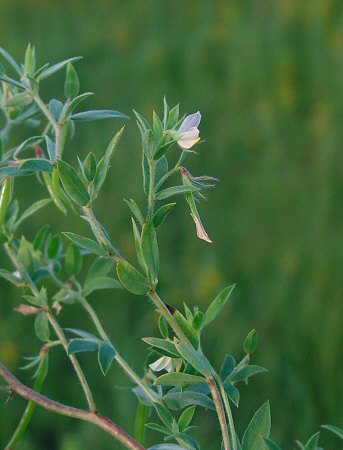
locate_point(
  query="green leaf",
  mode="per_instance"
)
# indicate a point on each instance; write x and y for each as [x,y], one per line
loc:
[12,82]
[135,210]
[36,165]
[178,379]
[73,260]
[82,333]
[101,283]
[40,237]
[131,279]
[30,60]
[56,108]
[336,430]
[74,104]
[138,246]
[233,393]
[159,428]
[161,168]
[51,147]
[10,60]
[175,190]
[5,198]
[54,246]
[166,447]
[56,67]
[164,415]
[32,209]
[100,268]
[271,445]
[89,167]
[9,276]
[105,356]
[72,84]
[250,342]
[81,345]
[163,327]
[228,366]
[162,213]
[22,99]
[217,305]
[258,429]
[26,143]
[167,346]
[187,328]
[186,418]
[98,114]
[104,164]
[195,358]
[86,243]
[179,400]
[72,183]
[312,443]
[42,327]
[248,372]
[150,247]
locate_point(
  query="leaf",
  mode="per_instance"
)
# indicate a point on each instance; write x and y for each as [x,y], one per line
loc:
[72,183]
[73,260]
[42,327]
[135,210]
[162,213]
[217,305]
[56,67]
[167,346]
[161,168]
[82,333]
[131,279]
[56,108]
[32,209]
[72,84]
[336,430]
[195,358]
[105,356]
[150,247]
[98,114]
[164,415]
[54,246]
[271,445]
[159,428]
[74,104]
[166,447]
[175,190]
[186,417]
[138,246]
[312,443]
[187,328]
[13,82]
[104,164]
[178,400]
[22,99]
[5,198]
[10,60]
[81,345]
[228,366]
[100,268]
[250,342]
[51,147]
[258,428]
[36,165]
[86,243]
[40,237]
[178,379]
[101,283]
[248,372]
[233,393]
[26,143]
[9,276]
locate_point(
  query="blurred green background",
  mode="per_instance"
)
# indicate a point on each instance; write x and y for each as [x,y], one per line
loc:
[268,78]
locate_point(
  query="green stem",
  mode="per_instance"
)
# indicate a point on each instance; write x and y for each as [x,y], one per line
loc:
[31,406]
[229,416]
[151,196]
[164,311]
[61,336]
[140,421]
[123,364]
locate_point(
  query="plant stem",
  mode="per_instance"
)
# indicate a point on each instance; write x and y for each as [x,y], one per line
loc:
[31,406]
[175,169]
[151,196]
[61,336]
[220,412]
[161,306]
[140,421]
[45,110]
[229,416]
[123,364]
[89,416]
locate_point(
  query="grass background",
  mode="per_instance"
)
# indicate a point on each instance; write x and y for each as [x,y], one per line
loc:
[267,77]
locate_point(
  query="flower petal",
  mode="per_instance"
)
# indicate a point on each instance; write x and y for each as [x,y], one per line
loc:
[201,232]
[161,364]
[190,121]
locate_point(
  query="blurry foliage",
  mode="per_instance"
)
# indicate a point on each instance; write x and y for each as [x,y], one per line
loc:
[267,77]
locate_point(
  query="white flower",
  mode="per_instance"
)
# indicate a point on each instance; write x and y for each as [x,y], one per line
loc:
[188,134]
[164,363]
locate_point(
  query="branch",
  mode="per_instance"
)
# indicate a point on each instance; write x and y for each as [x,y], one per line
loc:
[93,417]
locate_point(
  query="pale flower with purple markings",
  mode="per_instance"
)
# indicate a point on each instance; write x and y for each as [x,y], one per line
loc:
[188,134]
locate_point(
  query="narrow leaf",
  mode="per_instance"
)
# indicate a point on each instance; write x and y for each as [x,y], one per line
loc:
[72,183]
[217,304]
